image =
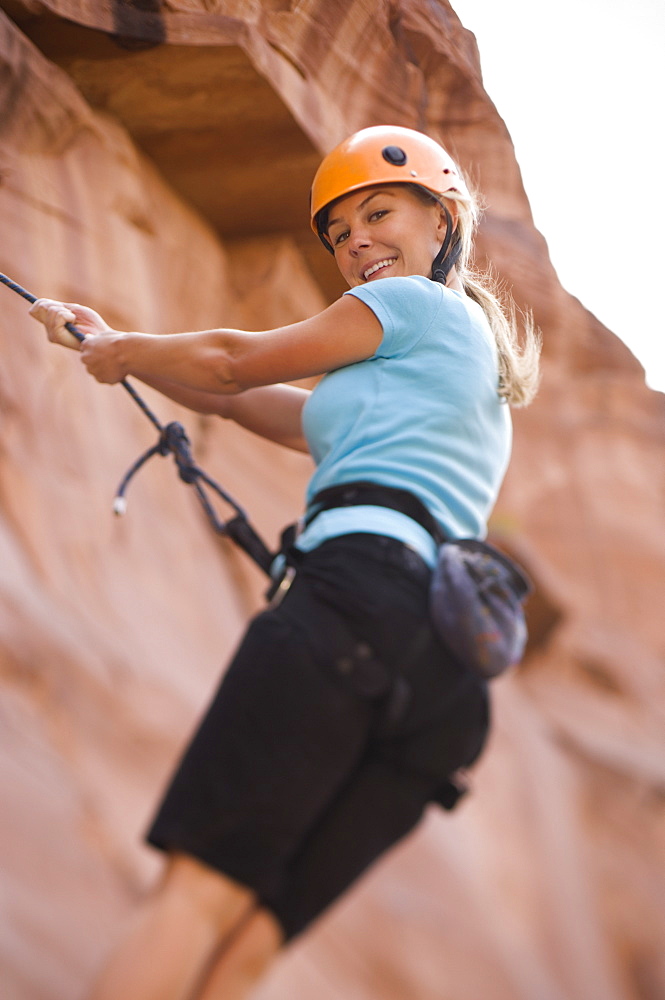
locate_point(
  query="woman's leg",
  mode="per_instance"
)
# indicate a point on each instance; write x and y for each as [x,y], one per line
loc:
[243,960]
[176,935]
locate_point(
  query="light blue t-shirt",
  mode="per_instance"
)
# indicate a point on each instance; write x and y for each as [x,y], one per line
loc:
[422,414]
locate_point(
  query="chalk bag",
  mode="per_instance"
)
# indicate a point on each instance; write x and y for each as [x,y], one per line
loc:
[476,605]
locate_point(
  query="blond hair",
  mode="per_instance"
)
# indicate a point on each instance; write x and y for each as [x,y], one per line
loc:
[519,360]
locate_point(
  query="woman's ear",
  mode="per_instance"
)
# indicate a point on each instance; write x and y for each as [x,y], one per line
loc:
[443,222]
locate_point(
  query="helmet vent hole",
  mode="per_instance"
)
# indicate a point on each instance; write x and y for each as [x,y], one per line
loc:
[394,155]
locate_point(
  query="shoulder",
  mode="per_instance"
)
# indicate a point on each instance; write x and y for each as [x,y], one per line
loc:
[394,292]
[415,298]
[401,303]
[406,308]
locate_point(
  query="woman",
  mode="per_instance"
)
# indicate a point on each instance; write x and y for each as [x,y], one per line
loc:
[341,716]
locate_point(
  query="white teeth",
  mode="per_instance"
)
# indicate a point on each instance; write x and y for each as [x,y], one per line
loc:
[375,267]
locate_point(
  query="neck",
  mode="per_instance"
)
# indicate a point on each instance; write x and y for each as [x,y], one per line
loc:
[453,281]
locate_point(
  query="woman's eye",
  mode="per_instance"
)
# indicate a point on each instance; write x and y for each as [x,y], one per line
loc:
[380,212]
[340,238]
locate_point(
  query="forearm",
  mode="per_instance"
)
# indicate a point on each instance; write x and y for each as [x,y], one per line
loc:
[209,403]
[273,411]
[202,362]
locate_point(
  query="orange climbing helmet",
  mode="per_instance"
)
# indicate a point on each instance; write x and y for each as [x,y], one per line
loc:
[382,154]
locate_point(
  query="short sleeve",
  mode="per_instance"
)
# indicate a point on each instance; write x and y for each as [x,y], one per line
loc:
[405,307]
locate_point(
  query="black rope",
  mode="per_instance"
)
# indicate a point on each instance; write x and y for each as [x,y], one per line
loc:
[173,440]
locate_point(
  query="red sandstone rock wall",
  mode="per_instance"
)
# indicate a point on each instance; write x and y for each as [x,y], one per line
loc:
[548,883]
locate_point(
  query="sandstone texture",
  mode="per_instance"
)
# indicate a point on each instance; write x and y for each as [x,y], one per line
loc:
[155,159]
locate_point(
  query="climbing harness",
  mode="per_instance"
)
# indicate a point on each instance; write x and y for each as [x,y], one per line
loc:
[476,592]
[173,440]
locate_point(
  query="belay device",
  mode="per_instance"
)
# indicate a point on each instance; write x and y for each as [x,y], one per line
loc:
[173,440]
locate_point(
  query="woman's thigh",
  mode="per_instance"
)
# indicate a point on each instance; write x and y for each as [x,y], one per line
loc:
[378,806]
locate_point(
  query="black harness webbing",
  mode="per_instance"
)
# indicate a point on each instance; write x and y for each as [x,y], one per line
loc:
[173,440]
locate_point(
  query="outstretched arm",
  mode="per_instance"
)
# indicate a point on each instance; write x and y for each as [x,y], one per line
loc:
[273,412]
[225,372]
[222,361]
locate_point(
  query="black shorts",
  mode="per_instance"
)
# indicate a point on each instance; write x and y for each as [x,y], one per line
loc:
[338,720]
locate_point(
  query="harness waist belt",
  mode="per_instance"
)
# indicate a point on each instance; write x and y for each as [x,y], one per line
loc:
[374,494]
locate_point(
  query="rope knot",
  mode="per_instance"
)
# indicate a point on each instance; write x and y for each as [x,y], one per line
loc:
[174,439]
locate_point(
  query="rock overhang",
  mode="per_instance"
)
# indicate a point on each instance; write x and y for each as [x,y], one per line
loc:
[215,127]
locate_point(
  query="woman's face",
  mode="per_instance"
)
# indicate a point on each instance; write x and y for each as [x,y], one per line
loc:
[383,231]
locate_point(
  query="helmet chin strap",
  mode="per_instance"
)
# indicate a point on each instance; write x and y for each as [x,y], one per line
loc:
[448,255]
[321,227]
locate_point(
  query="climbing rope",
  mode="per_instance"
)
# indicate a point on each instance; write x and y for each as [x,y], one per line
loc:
[173,440]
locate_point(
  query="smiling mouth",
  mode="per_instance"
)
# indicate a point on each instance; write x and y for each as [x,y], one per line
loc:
[378,266]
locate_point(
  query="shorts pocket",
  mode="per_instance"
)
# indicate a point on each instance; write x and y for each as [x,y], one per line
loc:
[453,740]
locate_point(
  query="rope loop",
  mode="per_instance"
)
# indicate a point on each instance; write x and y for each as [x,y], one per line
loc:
[173,440]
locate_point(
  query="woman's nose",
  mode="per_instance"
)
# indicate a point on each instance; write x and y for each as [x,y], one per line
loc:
[358,241]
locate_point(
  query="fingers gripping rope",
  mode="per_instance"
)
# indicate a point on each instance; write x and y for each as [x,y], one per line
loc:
[79,336]
[173,440]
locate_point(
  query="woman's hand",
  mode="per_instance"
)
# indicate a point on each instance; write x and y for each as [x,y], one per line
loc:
[99,349]
[101,357]
[54,315]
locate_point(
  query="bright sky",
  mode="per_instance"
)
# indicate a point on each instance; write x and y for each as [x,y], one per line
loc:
[580,85]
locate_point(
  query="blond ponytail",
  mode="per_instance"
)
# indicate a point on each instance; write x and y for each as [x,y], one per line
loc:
[519,362]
